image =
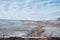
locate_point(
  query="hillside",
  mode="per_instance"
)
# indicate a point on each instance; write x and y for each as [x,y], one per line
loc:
[25,27]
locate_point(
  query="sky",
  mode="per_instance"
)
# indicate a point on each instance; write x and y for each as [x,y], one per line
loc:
[29,9]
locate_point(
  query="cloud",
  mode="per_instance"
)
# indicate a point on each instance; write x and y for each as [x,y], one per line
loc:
[29,9]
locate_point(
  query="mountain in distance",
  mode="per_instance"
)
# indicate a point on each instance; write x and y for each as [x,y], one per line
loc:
[6,23]
[58,19]
[10,23]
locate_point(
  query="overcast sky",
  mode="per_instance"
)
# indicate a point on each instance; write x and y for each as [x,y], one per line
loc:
[29,9]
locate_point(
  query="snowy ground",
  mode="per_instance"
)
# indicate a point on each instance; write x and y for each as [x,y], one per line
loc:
[53,31]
